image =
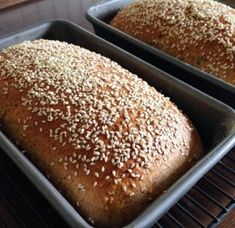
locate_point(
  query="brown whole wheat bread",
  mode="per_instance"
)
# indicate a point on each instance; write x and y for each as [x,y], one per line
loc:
[198,32]
[106,139]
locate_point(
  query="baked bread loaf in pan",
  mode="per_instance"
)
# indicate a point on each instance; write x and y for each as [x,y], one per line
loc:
[198,32]
[105,138]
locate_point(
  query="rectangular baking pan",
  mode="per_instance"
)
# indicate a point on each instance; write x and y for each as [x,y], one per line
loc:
[214,120]
[101,14]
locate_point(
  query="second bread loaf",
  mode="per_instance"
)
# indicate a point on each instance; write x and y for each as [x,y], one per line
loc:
[199,32]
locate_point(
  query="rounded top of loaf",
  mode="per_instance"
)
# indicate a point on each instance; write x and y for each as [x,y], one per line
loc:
[201,32]
[106,126]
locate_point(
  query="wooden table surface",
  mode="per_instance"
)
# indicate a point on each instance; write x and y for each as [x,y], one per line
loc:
[35,11]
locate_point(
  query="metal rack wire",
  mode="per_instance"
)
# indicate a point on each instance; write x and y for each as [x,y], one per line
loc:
[208,201]
[204,205]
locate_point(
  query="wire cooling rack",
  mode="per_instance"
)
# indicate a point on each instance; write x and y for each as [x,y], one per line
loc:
[21,205]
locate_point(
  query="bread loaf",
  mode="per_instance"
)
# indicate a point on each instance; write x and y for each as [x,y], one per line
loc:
[198,32]
[110,142]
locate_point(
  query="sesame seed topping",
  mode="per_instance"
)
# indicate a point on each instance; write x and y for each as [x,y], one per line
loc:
[91,221]
[133,185]
[129,170]
[52,163]
[114,173]
[198,32]
[81,187]
[88,172]
[109,118]
[131,194]
[107,177]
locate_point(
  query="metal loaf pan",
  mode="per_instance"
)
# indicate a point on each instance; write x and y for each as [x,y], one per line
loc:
[101,14]
[214,120]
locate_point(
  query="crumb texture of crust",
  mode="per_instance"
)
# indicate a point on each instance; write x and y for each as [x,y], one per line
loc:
[103,136]
[199,32]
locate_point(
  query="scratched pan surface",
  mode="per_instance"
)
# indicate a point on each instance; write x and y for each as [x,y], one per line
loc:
[101,14]
[214,121]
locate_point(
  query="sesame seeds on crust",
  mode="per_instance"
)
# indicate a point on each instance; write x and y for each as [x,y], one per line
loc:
[107,115]
[199,32]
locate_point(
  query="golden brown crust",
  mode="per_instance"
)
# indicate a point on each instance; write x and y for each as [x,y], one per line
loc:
[200,32]
[105,138]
